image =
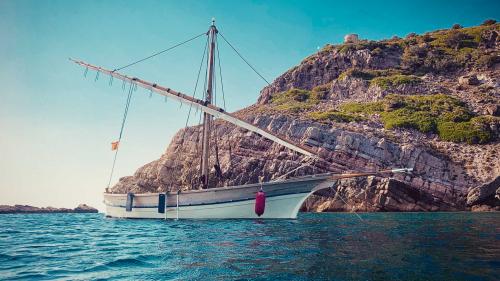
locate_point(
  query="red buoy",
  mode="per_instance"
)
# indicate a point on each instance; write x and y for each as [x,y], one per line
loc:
[260,203]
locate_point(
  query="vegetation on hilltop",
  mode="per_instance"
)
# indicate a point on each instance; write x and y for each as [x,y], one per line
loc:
[386,82]
[368,74]
[442,53]
[297,100]
[335,115]
[384,78]
[438,51]
[449,50]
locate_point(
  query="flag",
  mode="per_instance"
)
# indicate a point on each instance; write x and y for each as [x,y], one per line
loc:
[114,145]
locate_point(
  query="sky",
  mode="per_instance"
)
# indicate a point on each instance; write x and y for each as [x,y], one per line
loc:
[56,126]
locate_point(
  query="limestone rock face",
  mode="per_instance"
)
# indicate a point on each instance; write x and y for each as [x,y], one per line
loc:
[446,176]
[375,194]
[485,195]
[320,69]
[438,182]
[351,89]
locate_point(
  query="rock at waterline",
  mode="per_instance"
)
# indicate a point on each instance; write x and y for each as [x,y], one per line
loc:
[26,209]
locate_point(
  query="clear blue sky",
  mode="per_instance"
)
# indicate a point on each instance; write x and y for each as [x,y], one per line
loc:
[56,126]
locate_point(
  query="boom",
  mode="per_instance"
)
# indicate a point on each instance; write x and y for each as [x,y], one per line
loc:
[207,108]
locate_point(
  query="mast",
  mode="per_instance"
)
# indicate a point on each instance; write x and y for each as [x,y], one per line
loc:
[207,118]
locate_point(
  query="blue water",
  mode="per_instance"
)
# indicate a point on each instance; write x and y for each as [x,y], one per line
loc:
[382,246]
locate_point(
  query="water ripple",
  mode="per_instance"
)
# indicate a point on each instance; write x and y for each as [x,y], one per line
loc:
[384,246]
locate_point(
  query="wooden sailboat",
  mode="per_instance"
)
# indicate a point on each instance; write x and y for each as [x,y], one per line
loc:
[284,197]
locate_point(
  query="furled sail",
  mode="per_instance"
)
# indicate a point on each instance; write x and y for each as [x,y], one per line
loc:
[208,108]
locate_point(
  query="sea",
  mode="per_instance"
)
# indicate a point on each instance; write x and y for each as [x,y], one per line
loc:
[326,246]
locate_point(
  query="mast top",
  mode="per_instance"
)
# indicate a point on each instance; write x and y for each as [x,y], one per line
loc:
[213,21]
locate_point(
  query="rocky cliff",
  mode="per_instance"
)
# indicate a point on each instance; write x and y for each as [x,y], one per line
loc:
[430,102]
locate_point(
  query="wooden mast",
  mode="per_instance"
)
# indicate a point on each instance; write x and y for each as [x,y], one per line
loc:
[207,118]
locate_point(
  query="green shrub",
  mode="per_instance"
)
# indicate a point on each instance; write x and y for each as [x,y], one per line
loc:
[376,52]
[364,45]
[456,114]
[476,32]
[456,40]
[320,92]
[367,74]
[469,132]
[488,60]
[441,114]
[294,107]
[464,55]
[395,80]
[333,115]
[367,108]
[413,57]
[328,48]
[346,48]
[437,104]
[295,100]
[291,95]
[356,73]
[409,118]
[439,61]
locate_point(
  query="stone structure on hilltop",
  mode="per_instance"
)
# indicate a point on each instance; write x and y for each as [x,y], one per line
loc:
[351,38]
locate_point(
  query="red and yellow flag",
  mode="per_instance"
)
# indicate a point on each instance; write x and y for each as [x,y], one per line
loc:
[114,145]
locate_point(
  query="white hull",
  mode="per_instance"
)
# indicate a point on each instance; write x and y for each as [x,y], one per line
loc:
[283,201]
[281,207]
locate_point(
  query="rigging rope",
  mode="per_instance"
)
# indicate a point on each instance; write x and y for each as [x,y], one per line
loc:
[218,171]
[127,105]
[160,52]
[223,97]
[202,117]
[214,83]
[198,136]
[340,196]
[220,74]
[232,47]
[194,92]
[284,176]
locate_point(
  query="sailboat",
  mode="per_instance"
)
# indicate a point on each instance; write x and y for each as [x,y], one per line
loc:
[280,199]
